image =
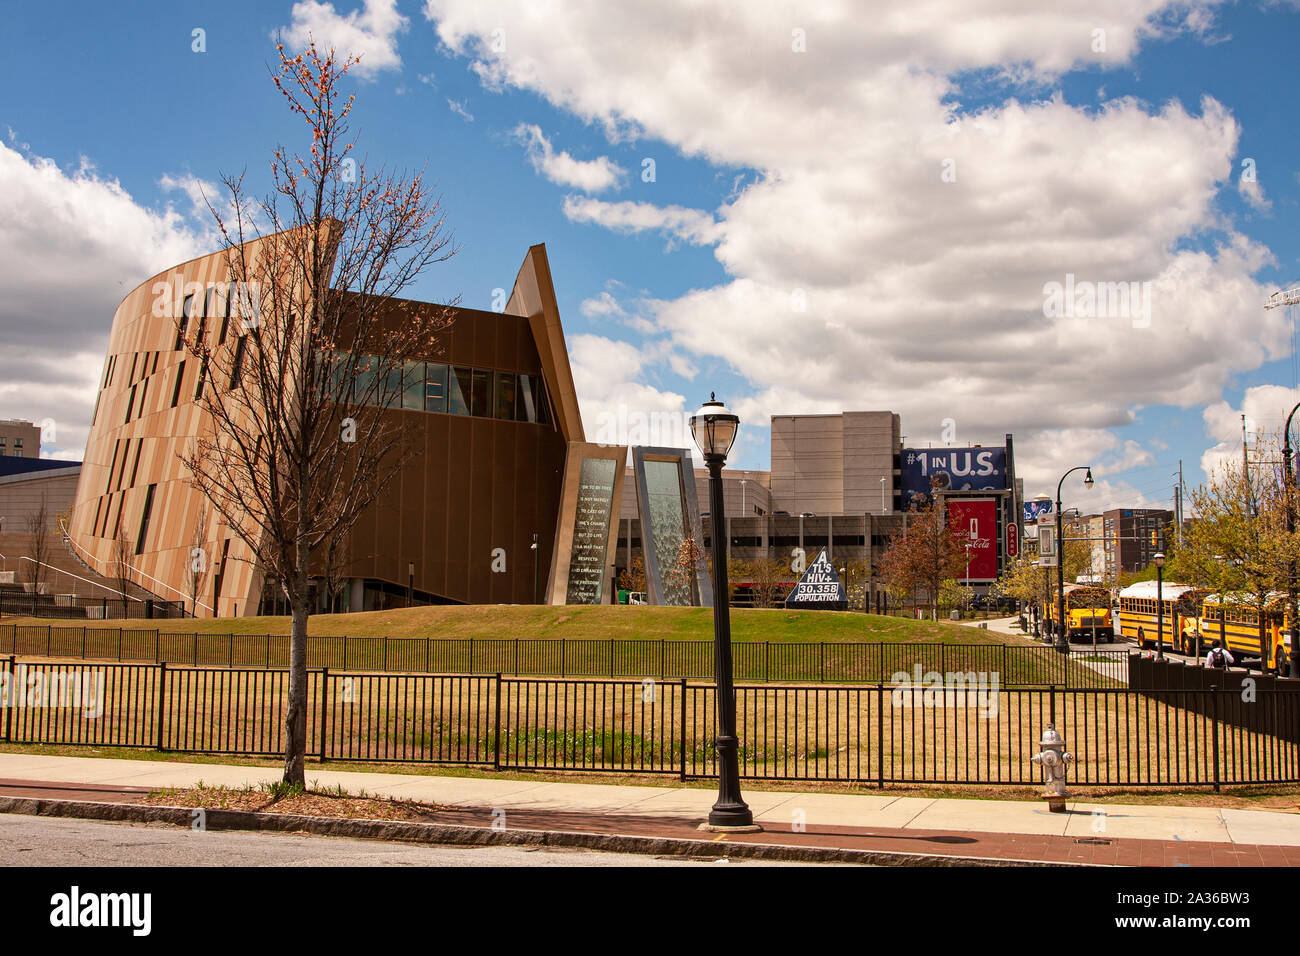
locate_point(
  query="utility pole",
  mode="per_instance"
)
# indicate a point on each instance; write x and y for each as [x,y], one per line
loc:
[1178,499]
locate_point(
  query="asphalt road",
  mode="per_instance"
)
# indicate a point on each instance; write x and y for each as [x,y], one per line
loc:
[40,841]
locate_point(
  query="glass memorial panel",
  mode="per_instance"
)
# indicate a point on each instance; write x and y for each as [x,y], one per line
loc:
[677,572]
[591,531]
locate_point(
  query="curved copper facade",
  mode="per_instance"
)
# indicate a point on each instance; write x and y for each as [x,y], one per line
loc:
[480,483]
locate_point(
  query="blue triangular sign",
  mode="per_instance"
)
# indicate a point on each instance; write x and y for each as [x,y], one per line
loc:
[820,588]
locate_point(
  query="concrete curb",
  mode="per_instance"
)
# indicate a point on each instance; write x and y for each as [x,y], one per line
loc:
[461,835]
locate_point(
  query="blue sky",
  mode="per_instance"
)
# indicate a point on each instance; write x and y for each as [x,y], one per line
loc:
[776,171]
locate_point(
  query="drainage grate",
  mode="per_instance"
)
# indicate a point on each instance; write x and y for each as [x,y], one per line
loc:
[1092,841]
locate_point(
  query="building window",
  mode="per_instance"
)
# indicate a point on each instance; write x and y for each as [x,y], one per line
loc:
[203,380]
[480,404]
[458,390]
[507,388]
[176,389]
[144,519]
[237,364]
[130,404]
[18,443]
[136,467]
[413,386]
[435,388]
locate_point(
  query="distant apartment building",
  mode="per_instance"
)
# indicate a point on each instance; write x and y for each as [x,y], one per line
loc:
[1133,536]
[19,439]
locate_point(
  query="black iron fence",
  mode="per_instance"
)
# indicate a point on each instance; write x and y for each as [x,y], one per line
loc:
[80,608]
[766,661]
[959,733]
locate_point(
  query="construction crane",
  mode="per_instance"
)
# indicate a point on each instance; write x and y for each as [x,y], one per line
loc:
[1281,298]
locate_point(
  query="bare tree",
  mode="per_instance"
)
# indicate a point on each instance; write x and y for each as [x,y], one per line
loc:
[924,556]
[302,439]
[122,550]
[199,559]
[38,526]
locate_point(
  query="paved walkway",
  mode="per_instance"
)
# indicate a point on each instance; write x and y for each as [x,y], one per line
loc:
[999,829]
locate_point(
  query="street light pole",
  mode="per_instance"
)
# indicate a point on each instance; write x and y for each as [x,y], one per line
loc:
[1062,640]
[714,427]
[883,509]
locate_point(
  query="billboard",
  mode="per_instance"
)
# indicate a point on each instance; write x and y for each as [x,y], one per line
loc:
[1033,509]
[974,521]
[951,469]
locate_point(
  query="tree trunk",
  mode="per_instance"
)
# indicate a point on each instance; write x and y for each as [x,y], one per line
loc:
[295,752]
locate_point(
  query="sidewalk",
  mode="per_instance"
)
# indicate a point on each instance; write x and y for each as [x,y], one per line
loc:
[943,827]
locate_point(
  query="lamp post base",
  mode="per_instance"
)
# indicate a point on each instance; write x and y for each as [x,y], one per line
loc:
[724,828]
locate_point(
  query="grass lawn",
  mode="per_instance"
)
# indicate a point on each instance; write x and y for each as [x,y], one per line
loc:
[483,622]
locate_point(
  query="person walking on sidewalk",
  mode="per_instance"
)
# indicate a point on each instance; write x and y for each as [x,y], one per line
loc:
[1218,657]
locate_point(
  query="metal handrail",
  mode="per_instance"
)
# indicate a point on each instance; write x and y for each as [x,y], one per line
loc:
[181,594]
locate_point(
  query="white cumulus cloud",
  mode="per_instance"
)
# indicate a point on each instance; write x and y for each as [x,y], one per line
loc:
[589,175]
[369,33]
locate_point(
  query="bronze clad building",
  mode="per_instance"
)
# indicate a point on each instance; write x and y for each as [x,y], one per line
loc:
[491,412]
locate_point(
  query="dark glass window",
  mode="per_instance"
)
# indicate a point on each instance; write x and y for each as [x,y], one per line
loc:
[184,323]
[203,378]
[130,404]
[459,386]
[529,386]
[480,403]
[176,389]
[507,387]
[413,386]
[366,391]
[392,397]
[237,364]
[144,519]
[435,388]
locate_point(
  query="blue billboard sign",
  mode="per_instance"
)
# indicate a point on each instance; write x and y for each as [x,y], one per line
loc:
[1035,508]
[926,470]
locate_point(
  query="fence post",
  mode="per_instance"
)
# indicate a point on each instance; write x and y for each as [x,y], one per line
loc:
[943,658]
[230,648]
[767,662]
[516,657]
[663,664]
[821,662]
[83,643]
[471,656]
[48,634]
[1214,729]
[496,732]
[682,776]
[324,712]
[1051,704]
[160,688]
[119,644]
[611,658]
[1005,672]
[564,646]
[9,704]
[880,735]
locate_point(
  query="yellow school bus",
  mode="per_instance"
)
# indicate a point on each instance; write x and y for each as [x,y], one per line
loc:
[1139,617]
[1086,608]
[1235,622]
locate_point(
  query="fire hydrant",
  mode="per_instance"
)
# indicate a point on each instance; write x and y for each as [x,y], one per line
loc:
[1054,759]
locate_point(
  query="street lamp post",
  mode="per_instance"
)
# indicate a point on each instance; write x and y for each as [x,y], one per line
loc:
[1289,473]
[714,427]
[1062,640]
[1160,605]
[883,509]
